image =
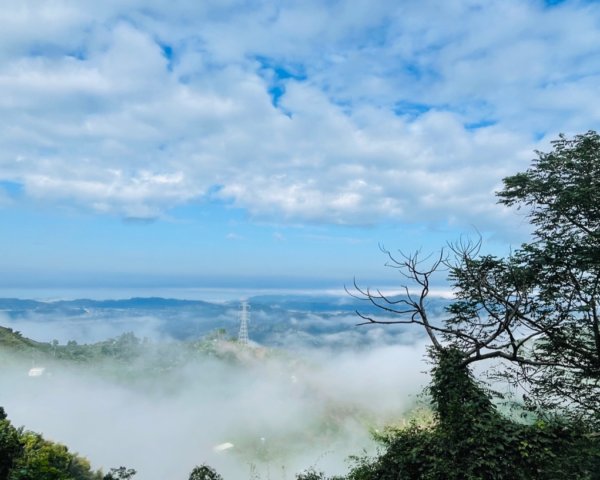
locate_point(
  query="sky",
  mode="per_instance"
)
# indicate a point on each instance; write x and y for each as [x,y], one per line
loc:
[273,144]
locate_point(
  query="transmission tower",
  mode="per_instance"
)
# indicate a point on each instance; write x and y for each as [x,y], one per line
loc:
[244,317]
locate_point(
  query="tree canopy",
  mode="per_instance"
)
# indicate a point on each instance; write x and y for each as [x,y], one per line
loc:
[26,455]
[561,268]
[537,308]
[535,312]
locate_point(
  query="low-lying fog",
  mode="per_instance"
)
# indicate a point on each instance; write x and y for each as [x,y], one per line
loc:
[283,411]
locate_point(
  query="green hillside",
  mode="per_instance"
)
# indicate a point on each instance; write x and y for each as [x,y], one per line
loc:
[13,341]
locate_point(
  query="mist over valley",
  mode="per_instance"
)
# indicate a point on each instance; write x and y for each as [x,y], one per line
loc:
[162,385]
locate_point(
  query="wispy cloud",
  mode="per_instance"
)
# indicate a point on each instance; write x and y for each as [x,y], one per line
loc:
[345,113]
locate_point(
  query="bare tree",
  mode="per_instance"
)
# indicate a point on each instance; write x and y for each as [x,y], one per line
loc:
[488,318]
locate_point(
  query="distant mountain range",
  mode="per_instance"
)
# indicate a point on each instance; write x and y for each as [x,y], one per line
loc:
[276,320]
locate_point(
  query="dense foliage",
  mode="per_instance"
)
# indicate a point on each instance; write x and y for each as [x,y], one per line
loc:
[472,440]
[11,446]
[120,473]
[562,194]
[538,312]
[204,472]
[26,455]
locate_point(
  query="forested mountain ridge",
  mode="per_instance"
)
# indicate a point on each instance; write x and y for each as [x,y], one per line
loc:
[279,321]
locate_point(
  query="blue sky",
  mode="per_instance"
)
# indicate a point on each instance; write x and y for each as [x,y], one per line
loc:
[272,143]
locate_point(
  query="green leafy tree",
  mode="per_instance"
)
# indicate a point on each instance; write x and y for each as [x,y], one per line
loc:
[120,473]
[204,472]
[471,440]
[539,308]
[45,460]
[28,456]
[312,474]
[536,311]
[11,447]
[561,268]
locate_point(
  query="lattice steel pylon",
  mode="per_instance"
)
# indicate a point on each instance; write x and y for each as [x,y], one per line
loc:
[244,317]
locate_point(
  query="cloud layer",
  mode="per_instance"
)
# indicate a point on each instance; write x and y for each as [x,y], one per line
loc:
[282,414]
[327,112]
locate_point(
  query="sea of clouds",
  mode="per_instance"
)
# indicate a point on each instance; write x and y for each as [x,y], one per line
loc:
[282,414]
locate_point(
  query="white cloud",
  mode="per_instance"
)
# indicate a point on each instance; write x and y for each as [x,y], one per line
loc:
[378,124]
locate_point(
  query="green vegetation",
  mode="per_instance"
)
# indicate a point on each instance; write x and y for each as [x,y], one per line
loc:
[537,311]
[14,341]
[558,273]
[26,455]
[204,472]
[471,440]
[125,356]
[121,473]
[182,370]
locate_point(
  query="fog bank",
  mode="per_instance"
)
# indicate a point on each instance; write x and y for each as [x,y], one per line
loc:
[283,412]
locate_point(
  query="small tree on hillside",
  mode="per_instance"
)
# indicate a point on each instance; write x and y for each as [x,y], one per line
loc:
[204,472]
[120,473]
